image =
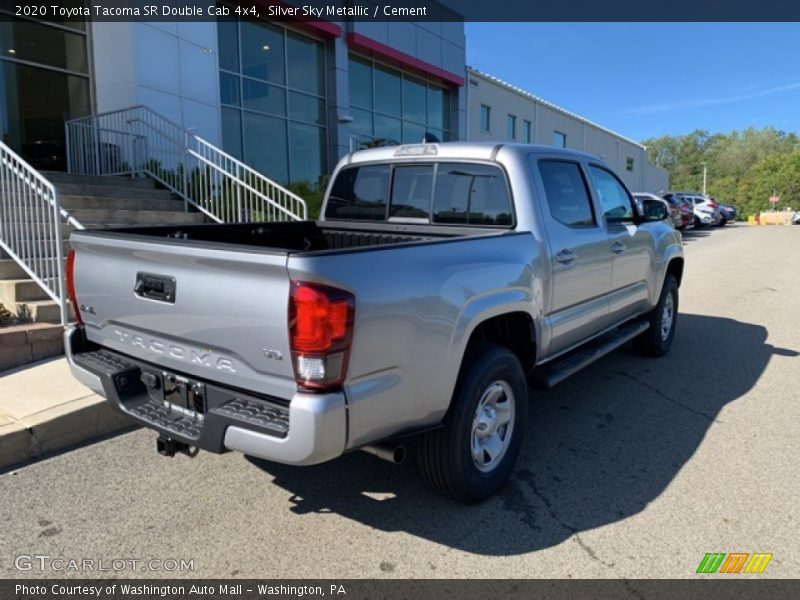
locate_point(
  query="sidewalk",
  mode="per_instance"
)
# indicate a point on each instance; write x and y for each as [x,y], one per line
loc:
[44,409]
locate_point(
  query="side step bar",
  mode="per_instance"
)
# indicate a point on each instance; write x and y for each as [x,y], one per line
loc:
[564,366]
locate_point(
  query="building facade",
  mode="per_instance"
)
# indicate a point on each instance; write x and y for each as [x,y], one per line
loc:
[289,99]
[497,110]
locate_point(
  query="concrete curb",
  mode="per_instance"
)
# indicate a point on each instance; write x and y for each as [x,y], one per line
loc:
[78,421]
[36,422]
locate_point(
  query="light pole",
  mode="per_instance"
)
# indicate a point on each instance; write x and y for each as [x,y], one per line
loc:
[705,173]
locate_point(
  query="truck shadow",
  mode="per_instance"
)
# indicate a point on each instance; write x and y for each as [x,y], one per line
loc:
[599,448]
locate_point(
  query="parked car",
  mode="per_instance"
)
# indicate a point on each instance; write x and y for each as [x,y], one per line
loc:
[728,213]
[438,277]
[705,209]
[684,206]
[674,209]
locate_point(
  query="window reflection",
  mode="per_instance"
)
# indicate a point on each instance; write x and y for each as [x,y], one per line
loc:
[272,87]
[43,79]
[392,107]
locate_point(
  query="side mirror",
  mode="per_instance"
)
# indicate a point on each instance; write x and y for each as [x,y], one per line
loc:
[654,210]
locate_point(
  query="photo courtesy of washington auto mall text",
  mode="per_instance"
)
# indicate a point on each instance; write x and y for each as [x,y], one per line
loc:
[399,299]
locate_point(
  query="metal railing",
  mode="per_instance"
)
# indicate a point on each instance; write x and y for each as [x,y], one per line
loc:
[32,225]
[139,141]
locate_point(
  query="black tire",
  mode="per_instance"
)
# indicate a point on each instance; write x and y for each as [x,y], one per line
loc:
[445,457]
[653,342]
[697,223]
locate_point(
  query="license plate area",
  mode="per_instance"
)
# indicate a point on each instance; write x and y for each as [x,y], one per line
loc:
[183,394]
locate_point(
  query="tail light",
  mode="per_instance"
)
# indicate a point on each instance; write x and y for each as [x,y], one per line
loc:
[320,333]
[713,203]
[70,276]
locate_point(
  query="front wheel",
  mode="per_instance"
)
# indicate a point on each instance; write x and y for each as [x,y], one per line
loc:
[471,456]
[657,339]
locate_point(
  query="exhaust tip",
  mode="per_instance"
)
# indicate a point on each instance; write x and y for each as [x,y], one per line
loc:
[399,455]
[389,452]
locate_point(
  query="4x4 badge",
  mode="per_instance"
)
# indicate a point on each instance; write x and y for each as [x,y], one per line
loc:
[273,354]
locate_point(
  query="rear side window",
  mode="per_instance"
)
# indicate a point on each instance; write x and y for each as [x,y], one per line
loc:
[613,196]
[469,194]
[567,193]
[411,192]
[359,194]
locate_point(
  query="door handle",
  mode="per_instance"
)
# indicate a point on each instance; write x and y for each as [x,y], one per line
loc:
[566,256]
[618,247]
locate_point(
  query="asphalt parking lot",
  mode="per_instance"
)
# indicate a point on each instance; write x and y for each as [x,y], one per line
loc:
[633,468]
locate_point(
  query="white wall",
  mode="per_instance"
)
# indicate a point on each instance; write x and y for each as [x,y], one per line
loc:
[169,67]
[581,134]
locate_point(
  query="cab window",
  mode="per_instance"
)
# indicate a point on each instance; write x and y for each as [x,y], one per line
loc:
[614,198]
[566,192]
[360,194]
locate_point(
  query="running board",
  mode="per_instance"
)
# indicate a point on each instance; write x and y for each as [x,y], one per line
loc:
[559,369]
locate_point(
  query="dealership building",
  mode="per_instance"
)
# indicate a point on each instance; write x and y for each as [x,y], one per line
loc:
[497,110]
[288,99]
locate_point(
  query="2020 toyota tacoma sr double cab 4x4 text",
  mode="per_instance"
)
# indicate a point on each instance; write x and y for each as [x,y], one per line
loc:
[440,281]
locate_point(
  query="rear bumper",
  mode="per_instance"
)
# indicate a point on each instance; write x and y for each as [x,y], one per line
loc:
[317,423]
[705,218]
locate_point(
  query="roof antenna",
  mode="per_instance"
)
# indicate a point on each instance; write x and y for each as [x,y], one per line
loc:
[429,138]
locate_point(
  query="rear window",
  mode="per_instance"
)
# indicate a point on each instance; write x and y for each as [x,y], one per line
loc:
[468,194]
[445,193]
[412,187]
[359,194]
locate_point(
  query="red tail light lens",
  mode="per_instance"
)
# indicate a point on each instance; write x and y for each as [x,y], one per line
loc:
[320,333]
[70,277]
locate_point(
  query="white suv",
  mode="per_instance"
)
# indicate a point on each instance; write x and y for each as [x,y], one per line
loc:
[706,210]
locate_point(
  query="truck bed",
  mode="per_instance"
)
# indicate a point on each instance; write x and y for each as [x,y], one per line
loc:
[210,300]
[300,236]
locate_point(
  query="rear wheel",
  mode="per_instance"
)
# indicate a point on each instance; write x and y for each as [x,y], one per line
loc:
[471,456]
[657,339]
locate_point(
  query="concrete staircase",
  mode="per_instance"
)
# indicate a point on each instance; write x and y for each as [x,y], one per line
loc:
[96,202]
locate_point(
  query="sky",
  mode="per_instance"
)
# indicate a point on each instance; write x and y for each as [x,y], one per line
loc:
[649,79]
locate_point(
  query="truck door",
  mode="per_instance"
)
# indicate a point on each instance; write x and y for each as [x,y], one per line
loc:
[580,256]
[630,243]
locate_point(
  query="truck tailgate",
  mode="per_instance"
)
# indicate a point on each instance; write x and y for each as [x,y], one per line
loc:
[225,320]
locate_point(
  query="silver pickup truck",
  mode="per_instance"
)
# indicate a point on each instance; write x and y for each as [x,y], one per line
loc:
[439,283]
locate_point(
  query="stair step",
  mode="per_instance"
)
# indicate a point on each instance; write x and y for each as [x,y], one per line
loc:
[13,291]
[71,203]
[11,269]
[560,368]
[40,228]
[62,177]
[111,191]
[64,248]
[133,218]
[40,311]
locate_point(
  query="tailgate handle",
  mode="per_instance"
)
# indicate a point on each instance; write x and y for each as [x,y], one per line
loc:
[155,287]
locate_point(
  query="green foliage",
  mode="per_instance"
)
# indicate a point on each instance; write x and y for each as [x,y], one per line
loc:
[312,194]
[219,193]
[744,167]
[8,318]
[774,174]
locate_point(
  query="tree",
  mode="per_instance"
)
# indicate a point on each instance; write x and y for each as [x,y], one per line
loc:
[741,165]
